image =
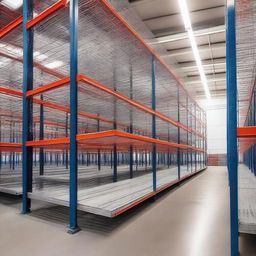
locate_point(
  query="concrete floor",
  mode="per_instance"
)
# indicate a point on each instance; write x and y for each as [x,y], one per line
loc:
[191,220]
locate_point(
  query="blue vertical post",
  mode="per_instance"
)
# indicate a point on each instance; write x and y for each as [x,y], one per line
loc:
[11,140]
[41,137]
[115,156]
[154,121]
[99,153]
[232,124]
[187,152]
[178,153]
[73,228]
[27,134]
[115,162]
[131,123]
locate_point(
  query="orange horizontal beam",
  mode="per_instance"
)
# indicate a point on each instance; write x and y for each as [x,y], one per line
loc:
[11,26]
[59,107]
[81,113]
[60,75]
[12,145]
[92,116]
[246,132]
[11,92]
[47,142]
[104,134]
[66,81]
[151,140]
[51,10]
[48,87]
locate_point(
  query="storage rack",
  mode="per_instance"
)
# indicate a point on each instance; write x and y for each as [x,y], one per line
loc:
[241,130]
[112,103]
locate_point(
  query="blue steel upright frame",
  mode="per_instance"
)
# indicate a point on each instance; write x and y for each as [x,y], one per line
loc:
[73,228]
[41,137]
[232,124]
[27,135]
[131,123]
[154,156]
[178,152]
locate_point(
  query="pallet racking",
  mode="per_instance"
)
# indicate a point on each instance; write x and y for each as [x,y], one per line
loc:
[96,94]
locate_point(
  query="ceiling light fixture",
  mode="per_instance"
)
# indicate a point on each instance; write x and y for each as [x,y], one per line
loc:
[12,4]
[188,27]
[54,64]
[39,56]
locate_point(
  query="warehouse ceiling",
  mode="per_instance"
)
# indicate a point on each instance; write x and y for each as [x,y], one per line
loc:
[163,19]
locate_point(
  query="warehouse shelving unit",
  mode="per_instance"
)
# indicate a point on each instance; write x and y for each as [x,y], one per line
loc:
[241,99]
[98,99]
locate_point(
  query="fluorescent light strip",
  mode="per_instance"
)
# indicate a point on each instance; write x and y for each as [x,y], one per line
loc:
[54,64]
[12,4]
[187,23]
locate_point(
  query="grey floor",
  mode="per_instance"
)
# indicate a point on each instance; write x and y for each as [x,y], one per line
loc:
[191,220]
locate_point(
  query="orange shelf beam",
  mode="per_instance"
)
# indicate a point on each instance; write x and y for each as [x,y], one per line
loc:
[38,143]
[87,80]
[59,107]
[51,10]
[11,26]
[11,92]
[246,132]
[104,134]
[11,145]
[48,87]
[62,76]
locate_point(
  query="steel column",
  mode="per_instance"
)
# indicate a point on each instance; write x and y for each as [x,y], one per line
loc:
[27,133]
[178,153]
[41,137]
[232,124]
[73,115]
[115,157]
[131,122]
[154,156]
[99,153]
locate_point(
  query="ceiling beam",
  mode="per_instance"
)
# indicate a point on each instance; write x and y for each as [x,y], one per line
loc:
[206,63]
[195,12]
[210,78]
[182,36]
[188,50]
[196,26]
